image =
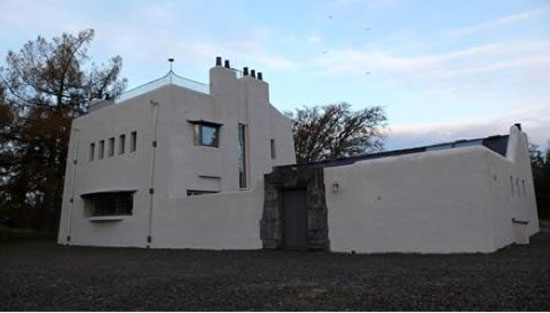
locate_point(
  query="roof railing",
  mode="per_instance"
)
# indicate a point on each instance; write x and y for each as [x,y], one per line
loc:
[170,78]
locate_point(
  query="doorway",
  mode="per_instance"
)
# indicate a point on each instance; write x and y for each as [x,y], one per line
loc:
[295,212]
[295,219]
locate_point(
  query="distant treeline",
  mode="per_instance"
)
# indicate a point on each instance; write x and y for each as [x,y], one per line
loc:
[540,162]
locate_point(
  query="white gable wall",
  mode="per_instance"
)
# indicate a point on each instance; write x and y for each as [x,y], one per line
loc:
[432,202]
[504,201]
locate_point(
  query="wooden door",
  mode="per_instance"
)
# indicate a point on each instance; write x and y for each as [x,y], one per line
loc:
[295,219]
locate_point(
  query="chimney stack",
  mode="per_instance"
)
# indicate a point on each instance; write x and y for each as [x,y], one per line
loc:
[260,76]
[253,73]
[227,64]
[218,61]
[245,71]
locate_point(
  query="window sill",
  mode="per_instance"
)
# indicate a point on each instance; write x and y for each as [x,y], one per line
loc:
[113,218]
[206,146]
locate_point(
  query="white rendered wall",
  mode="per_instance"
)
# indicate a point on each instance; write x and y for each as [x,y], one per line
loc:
[129,171]
[213,221]
[425,202]
[227,220]
[504,201]
[433,202]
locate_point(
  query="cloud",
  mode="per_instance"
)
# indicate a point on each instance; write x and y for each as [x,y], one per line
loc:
[356,60]
[314,39]
[535,122]
[148,33]
[515,63]
[510,19]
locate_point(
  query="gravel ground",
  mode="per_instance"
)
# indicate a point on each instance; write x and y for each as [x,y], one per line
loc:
[45,276]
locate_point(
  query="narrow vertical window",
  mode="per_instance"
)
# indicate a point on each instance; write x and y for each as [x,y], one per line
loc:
[111,148]
[133,141]
[242,156]
[273,153]
[92,151]
[101,149]
[121,144]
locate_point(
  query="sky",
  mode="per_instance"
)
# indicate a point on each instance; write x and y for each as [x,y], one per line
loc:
[442,70]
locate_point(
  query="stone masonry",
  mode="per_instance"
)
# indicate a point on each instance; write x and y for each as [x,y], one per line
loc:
[288,178]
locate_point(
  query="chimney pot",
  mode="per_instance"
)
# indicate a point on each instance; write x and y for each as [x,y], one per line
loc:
[245,71]
[518,125]
[227,64]
[253,73]
[218,61]
[260,76]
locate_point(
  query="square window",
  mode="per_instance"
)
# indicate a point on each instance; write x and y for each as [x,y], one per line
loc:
[206,135]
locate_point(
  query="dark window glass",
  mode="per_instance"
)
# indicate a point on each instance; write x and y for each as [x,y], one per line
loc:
[242,156]
[92,151]
[101,149]
[111,150]
[191,192]
[115,203]
[133,141]
[273,153]
[121,144]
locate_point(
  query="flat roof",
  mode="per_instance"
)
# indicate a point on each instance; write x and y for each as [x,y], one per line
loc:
[498,144]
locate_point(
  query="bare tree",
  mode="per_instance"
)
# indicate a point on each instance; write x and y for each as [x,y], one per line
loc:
[42,88]
[335,131]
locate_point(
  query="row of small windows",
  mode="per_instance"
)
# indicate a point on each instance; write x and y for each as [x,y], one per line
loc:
[111,144]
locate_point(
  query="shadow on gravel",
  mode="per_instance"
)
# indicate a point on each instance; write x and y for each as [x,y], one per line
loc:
[40,275]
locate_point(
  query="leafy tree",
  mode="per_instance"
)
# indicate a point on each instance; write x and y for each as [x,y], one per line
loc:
[540,162]
[42,88]
[335,131]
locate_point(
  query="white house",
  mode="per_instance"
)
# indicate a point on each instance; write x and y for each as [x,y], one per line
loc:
[175,163]
[179,164]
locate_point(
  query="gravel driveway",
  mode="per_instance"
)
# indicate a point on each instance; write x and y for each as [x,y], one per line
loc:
[45,276]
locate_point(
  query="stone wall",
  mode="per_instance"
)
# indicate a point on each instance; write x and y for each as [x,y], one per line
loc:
[288,178]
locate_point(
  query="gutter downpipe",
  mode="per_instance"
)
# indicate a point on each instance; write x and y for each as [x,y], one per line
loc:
[152,180]
[71,201]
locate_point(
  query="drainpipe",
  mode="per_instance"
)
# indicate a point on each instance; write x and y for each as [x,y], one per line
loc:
[71,201]
[152,180]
